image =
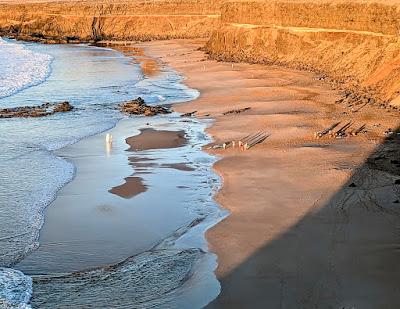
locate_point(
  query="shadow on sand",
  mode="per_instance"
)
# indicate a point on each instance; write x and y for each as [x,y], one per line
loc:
[346,254]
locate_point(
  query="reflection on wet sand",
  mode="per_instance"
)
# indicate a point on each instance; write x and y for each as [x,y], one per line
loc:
[178,166]
[133,186]
[156,139]
[148,139]
[150,67]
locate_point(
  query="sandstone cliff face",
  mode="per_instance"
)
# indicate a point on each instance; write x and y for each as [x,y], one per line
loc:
[91,21]
[353,41]
[357,43]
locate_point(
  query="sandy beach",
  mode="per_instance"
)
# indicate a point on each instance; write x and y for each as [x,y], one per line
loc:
[302,209]
[275,185]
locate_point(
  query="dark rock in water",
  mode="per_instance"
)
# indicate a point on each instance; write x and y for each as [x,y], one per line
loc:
[43,110]
[139,107]
[397,182]
[396,202]
[63,107]
[352,185]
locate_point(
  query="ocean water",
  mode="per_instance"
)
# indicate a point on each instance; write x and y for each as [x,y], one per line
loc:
[94,80]
[21,68]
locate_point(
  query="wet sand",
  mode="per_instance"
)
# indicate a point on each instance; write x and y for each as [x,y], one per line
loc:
[115,207]
[178,166]
[149,66]
[149,139]
[156,139]
[310,227]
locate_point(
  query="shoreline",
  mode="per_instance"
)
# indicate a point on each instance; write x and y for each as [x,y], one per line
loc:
[187,241]
[276,98]
[180,238]
[273,187]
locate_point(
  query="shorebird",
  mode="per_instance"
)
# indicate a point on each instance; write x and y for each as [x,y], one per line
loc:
[109,138]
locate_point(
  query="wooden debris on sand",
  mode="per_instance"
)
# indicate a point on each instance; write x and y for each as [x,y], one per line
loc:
[191,114]
[244,143]
[225,145]
[230,144]
[236,111]
[342,131]
[253,139]
[328,130]
[358,131]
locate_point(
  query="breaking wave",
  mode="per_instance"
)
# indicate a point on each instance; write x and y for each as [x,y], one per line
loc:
[15,289]
[21,68]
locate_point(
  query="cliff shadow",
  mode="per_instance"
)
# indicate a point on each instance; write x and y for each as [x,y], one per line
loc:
[345,254]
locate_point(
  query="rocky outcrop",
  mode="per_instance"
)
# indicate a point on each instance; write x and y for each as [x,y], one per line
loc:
[64,22]
[43,110]
[139,107]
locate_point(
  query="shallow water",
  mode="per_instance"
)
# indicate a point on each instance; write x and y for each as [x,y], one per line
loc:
[161,230]
[87,226]
[95,80]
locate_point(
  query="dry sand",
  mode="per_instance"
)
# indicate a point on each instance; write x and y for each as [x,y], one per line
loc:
[311,224]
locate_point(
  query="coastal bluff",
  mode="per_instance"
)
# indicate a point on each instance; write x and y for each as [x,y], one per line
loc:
[66,21]
[353,43]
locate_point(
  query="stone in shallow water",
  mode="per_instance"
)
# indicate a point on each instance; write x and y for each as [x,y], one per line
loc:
[43,110]
[139,107]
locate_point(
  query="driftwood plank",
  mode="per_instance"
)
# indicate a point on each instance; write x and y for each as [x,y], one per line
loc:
[359,130]
[327,130]
[342,131]
[236,111]
[189,114]
[256,141]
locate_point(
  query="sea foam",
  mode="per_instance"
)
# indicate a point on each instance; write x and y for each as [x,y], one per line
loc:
[21,68]
[15,289]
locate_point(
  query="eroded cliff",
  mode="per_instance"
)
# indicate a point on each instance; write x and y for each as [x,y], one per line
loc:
[99,20]
[354,42]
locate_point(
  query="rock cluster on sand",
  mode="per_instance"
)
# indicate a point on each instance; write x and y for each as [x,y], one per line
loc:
[139,107]
[43,110]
